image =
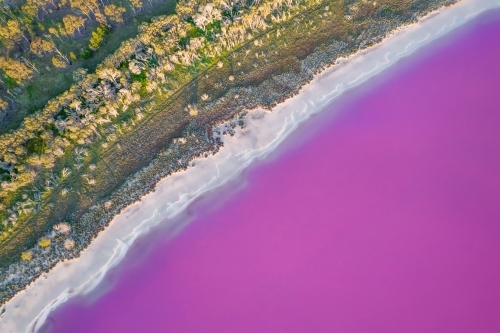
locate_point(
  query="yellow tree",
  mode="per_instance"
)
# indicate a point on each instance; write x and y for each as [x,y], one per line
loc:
[15,69]
[26,256]
[136,5]
[58,62]
[114,13]
[44,242]
[86,7]
[41,46]
[30,8]
[58,30]
[73,23]
[11,34]
[3,104]
[186,8]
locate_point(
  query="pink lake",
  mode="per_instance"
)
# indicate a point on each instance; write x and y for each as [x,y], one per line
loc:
[386,219]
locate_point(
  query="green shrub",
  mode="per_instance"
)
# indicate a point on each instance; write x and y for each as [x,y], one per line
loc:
[9,82]
[86,54]
[98,37]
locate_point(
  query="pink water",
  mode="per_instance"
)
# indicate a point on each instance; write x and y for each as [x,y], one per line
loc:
[387,219]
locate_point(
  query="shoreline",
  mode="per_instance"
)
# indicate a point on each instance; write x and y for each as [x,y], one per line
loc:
[112,256]
[387,165]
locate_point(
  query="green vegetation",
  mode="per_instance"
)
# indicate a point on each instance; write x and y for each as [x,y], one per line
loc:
[38,38]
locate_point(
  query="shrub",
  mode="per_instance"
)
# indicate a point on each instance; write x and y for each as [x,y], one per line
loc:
[44,242]
[69,244]
[58,62]
[86,54]
[3,104]
[98,37]
[26,256]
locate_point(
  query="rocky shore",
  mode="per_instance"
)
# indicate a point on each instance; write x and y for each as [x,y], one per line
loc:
[201,138]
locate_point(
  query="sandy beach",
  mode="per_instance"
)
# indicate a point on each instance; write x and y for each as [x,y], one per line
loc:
[263,132]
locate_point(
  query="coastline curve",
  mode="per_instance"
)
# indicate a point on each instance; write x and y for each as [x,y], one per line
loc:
[27,311]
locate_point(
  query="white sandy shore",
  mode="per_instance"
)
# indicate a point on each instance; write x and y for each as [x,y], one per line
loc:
[263,132]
